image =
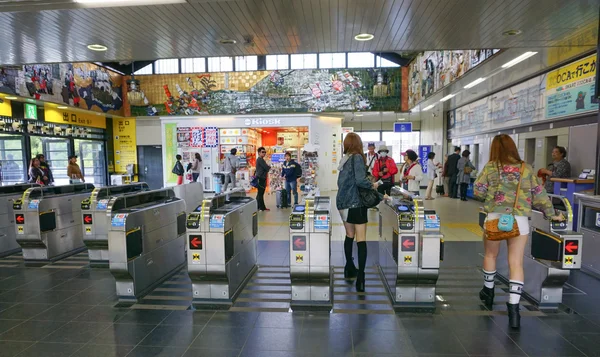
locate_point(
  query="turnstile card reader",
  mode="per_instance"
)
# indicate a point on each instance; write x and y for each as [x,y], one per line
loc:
[222,249]
[410,250]
[8,220]
[310,251]
[49,222]
[96,221]
[552,251]
[588,224]
[146,241]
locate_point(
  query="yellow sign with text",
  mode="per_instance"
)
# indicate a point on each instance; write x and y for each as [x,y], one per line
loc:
[584,69]
[5,108]
[125,143]
[62,116]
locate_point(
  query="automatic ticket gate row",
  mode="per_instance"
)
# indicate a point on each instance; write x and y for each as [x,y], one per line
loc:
[96,222]
[222,248]
[411,247]
[553,250]
[310,253]
[146,241]
[49,222]
[8,234]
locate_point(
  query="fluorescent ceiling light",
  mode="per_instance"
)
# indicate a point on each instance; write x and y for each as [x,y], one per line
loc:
[447,97]
[519,59]
[401,119]
[364,37]
[61,107]
[96,47]
[429,107]
[358,115]
[475,82]
[11,98]
[108,3]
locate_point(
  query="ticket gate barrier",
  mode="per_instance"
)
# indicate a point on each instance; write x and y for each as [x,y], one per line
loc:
[192,193]
[552,251]
[310,251]
[222,248]
[8,235]
[146,241]
[96,222]
[411,247]
[48,222]
[588,224]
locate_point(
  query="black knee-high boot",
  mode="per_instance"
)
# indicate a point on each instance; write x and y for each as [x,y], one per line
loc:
[350,268]
[362,262]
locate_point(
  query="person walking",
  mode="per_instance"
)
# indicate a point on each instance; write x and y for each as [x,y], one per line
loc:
[465,167]
[196,167]
[384,170]
[431,175]
[412,173]
[508,185]
[36,174]
[74,172]
[452,172]
[230,166]
[290,171]
[46,168]
[352,175]
[372,157]
[178,169]
[262,170]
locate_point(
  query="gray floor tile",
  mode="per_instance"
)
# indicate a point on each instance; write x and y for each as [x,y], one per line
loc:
[19,295]
[24,311]
[6,305]
[13,348]
[62,313]
[188,317]
[273,339]
[375,322]
[103,351]
[50,349]
[198,352]
[435,341]
[6,325]
[150,317]
[585,342]
[123,334]
[77,332]
[325,341]
[88,298]
[327,321]
[489,343]
[51,297]
[570,324]
[103,314]
[176,336]
[222,336]
[280,319]
[147,351]
[31,331]
[381,341]
[538,343]
[236,319]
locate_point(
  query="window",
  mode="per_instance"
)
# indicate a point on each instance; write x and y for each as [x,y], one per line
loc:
[144,70]
[332,60]
[193,65]
[246,63]
[361,60]
[166,66]
[12,163]
[382,62]
[400,142]
[303,61]
[278,62]
[220,64]
[369,137]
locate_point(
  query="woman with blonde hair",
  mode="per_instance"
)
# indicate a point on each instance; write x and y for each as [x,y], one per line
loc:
[352,176]
[509,186]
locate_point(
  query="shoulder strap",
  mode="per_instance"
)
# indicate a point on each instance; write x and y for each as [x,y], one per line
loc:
[519,185]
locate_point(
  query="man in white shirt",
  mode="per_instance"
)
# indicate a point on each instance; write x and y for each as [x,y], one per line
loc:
[230,165]
[372,157]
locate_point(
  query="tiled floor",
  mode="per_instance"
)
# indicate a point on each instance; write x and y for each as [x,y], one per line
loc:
[67,309]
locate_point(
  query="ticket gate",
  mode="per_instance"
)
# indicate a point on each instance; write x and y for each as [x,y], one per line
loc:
[222,248]
[146,241]
[310,251]
[96,222]
[588,224]
[192,193]
[8,236]
[411,247]
[553,250]
[49,220]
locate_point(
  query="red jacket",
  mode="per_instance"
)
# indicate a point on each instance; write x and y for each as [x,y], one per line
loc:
[382,163]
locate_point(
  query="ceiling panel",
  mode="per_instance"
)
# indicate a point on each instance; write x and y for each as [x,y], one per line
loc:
[58,31]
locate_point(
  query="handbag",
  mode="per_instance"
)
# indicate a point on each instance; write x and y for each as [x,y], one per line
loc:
[254,181]
[506,226]
[369,197]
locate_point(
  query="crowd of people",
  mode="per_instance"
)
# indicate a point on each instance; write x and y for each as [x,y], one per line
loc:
[40,172]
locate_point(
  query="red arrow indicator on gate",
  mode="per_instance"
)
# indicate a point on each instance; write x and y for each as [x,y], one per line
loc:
[196,243]
[408,243]
[571,247]
[20,218]
[87,219]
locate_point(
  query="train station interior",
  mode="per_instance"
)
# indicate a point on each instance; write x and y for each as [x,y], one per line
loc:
[295,178]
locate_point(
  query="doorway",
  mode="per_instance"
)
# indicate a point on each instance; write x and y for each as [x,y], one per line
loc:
[91,161]
[530,151]
[56,151]
[150,166]
[12,162]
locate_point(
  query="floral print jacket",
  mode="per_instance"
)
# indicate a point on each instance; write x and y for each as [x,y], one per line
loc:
[497,186]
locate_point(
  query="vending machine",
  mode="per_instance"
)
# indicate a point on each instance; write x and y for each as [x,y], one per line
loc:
[210,165]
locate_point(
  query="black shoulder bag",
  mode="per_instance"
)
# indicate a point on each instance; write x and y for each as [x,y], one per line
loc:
[369,197]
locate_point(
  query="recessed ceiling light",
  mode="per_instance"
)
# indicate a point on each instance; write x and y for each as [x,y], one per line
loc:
[519,59]
[475,82]
[11,98]
[364,37]
[428,107]
[447,97]
[401,119]
[97,47]
[512,32]
[227,41]
[61,107]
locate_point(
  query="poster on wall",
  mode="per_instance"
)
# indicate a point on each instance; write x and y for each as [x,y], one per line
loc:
[424,150]
[171,146]
[198,137]
[125,143]
[570,89]
[211,137]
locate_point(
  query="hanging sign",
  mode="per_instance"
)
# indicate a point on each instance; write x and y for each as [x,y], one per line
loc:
[125,143]
[63,116]
[402,127]
[424,150]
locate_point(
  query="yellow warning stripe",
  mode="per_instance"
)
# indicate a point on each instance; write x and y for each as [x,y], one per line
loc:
[548,235]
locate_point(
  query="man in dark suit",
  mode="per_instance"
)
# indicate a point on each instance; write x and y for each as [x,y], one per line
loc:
[452,171]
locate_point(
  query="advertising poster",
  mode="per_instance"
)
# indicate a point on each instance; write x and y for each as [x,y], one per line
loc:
[424,150]
[211,137]
[570,89]
[170,150]
[196,137]
[125,143]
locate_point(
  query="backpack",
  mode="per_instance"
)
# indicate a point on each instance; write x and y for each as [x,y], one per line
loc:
[298,170]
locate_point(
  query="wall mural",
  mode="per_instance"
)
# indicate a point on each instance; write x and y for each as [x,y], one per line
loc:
[433,70]
[261,92]
[82,85]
